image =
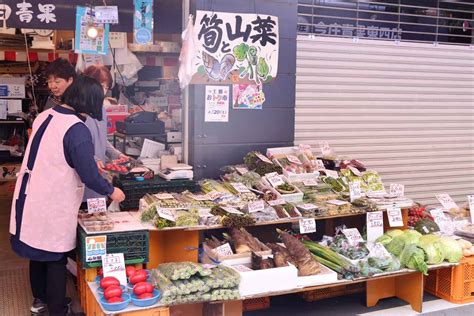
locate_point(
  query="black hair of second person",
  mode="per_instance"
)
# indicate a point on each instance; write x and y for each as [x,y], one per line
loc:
[85,95]
[60,68]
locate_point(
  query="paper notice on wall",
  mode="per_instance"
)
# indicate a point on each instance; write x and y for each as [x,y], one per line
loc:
[3,109]
[247,96]
[217,104]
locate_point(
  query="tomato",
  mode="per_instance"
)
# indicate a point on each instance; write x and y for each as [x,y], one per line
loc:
[113,291]
[138,276]
[115,299]
[130,270]
[145,296]
[108,281]
[142,287]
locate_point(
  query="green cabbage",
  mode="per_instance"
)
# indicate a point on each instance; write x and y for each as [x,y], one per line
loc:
[414,257]
[451,248]
[384,240]
[433,248]
[394,232]
[401,241]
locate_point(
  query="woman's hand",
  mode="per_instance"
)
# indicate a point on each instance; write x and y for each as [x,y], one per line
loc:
[117,195]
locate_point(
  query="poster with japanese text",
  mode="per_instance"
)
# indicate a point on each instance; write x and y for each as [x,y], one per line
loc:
[83,43]
[217,104]
[247,96]
[235,47]
[143,22]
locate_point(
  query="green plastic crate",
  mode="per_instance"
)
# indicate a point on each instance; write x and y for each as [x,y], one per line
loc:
[134,245]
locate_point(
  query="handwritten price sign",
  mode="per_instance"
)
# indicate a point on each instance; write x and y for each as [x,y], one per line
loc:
[394,215]
[374,225]
[397,190]
[97,205]
[114,265]
[355,190]
[446,200]
[307,225]
[352,235]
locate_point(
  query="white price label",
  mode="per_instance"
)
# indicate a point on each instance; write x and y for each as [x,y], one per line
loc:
[232,210]
[224,250]
[307,206]
[394,215]
[310,182]
[263,158]
[214,195]
[446,201]
[355,190]
[242,170]
[114,265]
[205,212]
[293,159]
[256,206]
[377,250]
[438,215]
[355,171]
[241,188]
[397,190]
[97,205]
[241,268]
[164,196]
[276,202]
[166,214]
[353,235]
[307,225]
[326,150]
[320,164]
[200,197]
[374,225]
[337,202]
[106,14]
[331,173]
[470,198]
[275,181]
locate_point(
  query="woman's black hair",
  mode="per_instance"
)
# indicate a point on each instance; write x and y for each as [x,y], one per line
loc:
[85,95]
[60,68]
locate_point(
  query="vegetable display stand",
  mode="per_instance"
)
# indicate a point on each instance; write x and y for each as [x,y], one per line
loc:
[407,287]
[172,246]
[335,291]
[454,284]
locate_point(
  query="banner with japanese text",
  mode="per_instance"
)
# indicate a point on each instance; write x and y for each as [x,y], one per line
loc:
[236,47]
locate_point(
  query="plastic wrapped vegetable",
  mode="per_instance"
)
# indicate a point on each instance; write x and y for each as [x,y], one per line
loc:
[452,250]
[414,257]
[433,248]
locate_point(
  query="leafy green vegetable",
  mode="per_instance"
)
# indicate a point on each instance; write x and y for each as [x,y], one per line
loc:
[240,51]
[394,232]
[433,248]
[414,257]
[401,241]
[451,248]
[384,240]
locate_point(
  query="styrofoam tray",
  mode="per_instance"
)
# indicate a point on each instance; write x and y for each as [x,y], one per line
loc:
[324,277]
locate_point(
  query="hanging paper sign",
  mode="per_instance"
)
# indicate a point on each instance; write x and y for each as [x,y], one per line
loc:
[326,150]
[96,247]
[446,201]
[397,190]
[143,22]
[307,225]
[247,96]
[470,198]
[239,187]
[310,182]
[374,225]
[113,265]
[106,14]
[275,180]
[263,158]
[217,104]
[166,214]
[256,206]
[355,190]
[293,159]
[353,235]
[232,210]
[223,250]
[84,43]
[276,202]
[236,47]
[394,215]
[331,173]
[96,205]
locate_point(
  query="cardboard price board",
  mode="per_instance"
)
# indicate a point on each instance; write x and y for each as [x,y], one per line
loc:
[353,235]
[275,181]
[97,205]
[307,225]
[374,225]
[224,250]
[166,214]
[241,188]
[397,190]
[394,215]
[114,265]
[256,206]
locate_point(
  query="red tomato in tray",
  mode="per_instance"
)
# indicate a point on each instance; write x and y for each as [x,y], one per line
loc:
[142,287]
[108,281]
[113,291]
[130,270]
[138,277]
[115,299]
[145,296]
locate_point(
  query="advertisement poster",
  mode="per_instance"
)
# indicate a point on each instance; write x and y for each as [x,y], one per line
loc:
[217,104]
[85,44]
[247,96]
[96,247]
[143,22]
[236,48]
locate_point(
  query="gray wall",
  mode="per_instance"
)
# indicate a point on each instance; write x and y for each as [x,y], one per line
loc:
[213,145]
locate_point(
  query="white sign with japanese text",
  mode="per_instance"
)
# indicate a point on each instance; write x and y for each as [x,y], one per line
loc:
[355,191]
[446,200]
[307,225]
[374,225]
[236,47]
[96,205]
[217,104]
[353,235]
[114,265]
[394,215]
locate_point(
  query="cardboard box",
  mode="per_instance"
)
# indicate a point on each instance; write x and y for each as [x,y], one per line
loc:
[112,119]
[12,88]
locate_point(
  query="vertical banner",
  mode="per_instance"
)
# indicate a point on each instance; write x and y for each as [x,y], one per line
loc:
[84,44]
[143,22]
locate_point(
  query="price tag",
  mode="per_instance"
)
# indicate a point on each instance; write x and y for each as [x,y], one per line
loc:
[106,14]
[320,164]
[310,182]
[275,180]
[446,201]
[331,173]
[307,225]
[97,205]
[303,147]
[223,250]
[337,202]
[470,198]
[242,170]
[96,247]
[241,188]
[374,225]
[293,159]
[232,210]
[377,250]
[114,265]
[326,150]
[397,190]
[205,212]
[394,215]
[256,206]
[438,215]
[307,206]
[214,195]
[353,235]
[276,202]
[355,191]
[355,171]
[164,196]
[263,158]
[166,214]
[200,197]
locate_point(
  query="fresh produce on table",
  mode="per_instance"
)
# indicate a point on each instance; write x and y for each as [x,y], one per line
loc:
[344,164]
[414,257]
[337,185]
[348,176]
[467,247]
[433,249]
[305,262]
[451,249]
[385,264]
[231,219]
[399,242]
[417,213]
[112,291]
[281,211]
[386,238]
[109,281]
[373,181]
[182,270]
[187,218]
[253,162]
[121,160]
[138,276]
[292,167]
[210,220]
[341,245]
[426,226]
[286,188]
[463,211]
[244,196]
[259,263]
[281,255]
[130,270]
[194,200]
[142,288]
[268,214]
[115,299]
[366,204]
[116,168]
[243,241]
[287,208]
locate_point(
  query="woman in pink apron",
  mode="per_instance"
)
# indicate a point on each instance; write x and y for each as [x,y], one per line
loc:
[58,162]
